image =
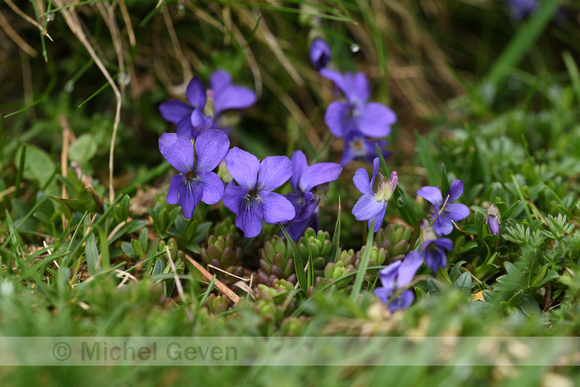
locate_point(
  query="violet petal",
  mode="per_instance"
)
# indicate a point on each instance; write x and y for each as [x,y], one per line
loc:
[274,171]
[318,174]
[211,147]
[195,93]
[178,151]
[174,110]
[213,187]
[243,166]
[276,208]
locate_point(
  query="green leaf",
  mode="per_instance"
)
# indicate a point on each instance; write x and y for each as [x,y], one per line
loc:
[514,211]
[364,263]
[39,167]
[159,267]
[428,162]
[83,149]
[530,307]
[68,206]
[335,249]
[464,282]
[516,300]
[298,263]
[92,254]
[522,41]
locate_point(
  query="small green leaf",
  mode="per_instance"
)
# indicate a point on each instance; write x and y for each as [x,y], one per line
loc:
[83,149]
[530,307]
[92,254]
[39,167]
[516,300]
[464,283]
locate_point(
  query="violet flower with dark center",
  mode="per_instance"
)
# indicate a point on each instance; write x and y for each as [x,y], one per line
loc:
[357,147]
[197,181]
[304,179]
[446,212]
[373,205]
[252,200]
[372,119]
[395,276]
[206,107]
[492,218]
[319,54]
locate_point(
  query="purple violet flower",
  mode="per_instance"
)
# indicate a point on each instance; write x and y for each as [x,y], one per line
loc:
[492,218]
[357,147]
[433,248]
[373,205]
[319,54]
[252,200]
[372,119]
[433,251]
[450,212]
[304,179]
[206,106]
[197,181]
[395,276]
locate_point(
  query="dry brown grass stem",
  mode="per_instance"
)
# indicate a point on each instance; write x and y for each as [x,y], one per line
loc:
[108,13]
[178,284]
[264,34]
[66,138]
[128,24]
[5,25]
[217,283]
[187,73]
[73,22]
[27,18]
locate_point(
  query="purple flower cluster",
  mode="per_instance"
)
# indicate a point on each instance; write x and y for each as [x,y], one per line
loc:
[355,119]
[250,195]
[205,107]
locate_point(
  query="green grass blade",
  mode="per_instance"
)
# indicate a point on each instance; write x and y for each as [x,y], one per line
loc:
[363,265]
[525,37]
[298,263]
[335,249]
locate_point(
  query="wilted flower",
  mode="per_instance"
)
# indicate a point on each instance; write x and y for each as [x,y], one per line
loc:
[252,200]
[446,212]
[203,114]
[197,182]
[372,119]
[492,218]
[319,54]
[373,205]
[395,276]
[304,179]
